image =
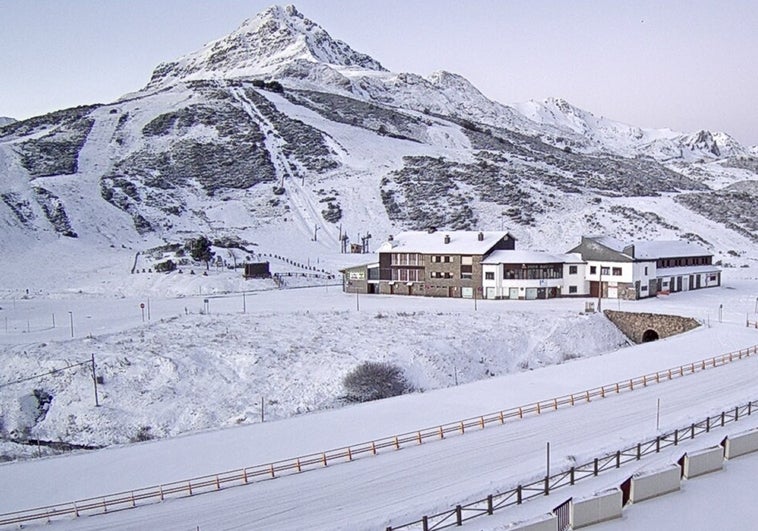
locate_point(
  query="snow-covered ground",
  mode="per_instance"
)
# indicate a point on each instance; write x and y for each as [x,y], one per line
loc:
[200,365]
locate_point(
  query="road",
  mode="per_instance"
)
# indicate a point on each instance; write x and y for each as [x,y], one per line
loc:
[401,486]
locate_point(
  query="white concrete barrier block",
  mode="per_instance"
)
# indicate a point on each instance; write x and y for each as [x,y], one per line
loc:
[602,506]
[740,444]
[703,461]
[545,522]
[647,485]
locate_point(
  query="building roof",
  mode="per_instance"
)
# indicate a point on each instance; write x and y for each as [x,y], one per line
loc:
[602,248]
[461,242]
[666,249]
[607,248]
[531,257]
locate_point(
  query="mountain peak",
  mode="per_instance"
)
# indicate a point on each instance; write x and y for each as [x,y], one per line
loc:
[262,45]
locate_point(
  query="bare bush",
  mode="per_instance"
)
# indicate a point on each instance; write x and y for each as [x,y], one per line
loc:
[373,380]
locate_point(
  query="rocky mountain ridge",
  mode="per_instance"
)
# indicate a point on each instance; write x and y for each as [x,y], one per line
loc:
[280,136]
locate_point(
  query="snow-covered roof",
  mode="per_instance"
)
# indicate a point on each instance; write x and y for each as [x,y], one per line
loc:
[531,257]
[460,242]
[667,249]
[609,242]
[640,250]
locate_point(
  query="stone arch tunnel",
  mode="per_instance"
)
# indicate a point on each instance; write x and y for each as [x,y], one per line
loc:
[645,327]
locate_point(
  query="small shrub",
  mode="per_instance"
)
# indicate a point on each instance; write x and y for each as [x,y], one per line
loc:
[372,380]
[144,433]
[165,267]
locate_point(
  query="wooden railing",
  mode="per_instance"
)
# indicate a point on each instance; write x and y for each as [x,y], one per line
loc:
[544,486]
[214,482]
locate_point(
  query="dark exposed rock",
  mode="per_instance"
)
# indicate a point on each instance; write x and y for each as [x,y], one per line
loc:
[54,211]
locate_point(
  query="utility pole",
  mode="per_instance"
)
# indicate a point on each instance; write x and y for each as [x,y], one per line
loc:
[94,381]
[658,416]
[600,290]
[71,320]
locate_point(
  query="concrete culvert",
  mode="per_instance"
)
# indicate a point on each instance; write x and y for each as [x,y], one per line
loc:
[649,335]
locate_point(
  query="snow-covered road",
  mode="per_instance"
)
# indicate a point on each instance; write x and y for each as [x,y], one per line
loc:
[395,487]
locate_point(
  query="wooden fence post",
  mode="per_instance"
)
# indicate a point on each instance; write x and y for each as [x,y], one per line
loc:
[459,515]
[490,508]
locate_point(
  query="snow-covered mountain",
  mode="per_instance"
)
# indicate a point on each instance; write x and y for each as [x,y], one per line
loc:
[281,137]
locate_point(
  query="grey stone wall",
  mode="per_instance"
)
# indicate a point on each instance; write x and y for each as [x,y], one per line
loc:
[642,327]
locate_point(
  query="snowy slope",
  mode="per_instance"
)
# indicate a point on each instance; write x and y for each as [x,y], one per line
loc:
[213,146]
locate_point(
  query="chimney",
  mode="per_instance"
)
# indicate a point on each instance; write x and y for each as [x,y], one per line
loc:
[447,238]
[480,236]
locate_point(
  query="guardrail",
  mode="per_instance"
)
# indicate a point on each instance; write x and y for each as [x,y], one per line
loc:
[544,486]
[193,486]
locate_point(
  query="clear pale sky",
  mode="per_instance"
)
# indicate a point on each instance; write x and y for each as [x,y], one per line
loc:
[682,64]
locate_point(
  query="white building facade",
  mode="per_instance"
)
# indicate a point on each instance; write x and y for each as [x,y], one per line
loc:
[529,275]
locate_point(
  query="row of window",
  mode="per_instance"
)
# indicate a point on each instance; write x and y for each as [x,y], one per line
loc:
[417,275]
[407,259]
[418,259]
[532,272]
[615,271]
[679,262]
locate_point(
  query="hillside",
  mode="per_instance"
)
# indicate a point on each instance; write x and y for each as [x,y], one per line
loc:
[278,135]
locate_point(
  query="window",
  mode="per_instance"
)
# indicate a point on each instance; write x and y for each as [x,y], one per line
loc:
[440,274]
[645,270]
[532,271]
[605,270]
[572,289]
[466,275]
[489,275]
[467,260]
[593,270]
[616,271]
[408,275]
[572,271]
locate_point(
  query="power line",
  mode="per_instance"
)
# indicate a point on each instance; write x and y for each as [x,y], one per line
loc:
[54,371]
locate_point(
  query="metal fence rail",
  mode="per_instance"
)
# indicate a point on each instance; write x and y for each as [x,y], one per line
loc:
[543,487]
[193,486]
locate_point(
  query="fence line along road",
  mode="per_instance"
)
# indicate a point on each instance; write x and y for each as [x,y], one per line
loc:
[542,487]
[214,482]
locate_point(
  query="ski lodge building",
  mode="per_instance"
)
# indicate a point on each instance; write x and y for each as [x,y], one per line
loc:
[471,264]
